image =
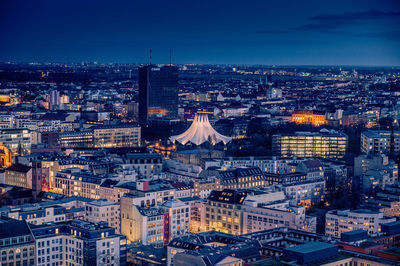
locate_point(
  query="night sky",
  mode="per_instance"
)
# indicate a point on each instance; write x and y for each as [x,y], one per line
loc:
[340,32]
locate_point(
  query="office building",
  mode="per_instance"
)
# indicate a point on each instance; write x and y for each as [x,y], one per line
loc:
[337,222]
[158,92]
[380,141]
[124,135]
[17,140]
[80,139]
[326,144]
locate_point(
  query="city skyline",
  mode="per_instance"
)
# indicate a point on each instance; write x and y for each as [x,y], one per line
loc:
[257,32]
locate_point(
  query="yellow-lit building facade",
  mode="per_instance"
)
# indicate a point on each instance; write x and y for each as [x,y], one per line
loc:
[117,136]
[223,211]
[309,118]
[325,144]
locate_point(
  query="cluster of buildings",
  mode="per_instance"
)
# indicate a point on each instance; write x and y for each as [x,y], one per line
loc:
[152,169]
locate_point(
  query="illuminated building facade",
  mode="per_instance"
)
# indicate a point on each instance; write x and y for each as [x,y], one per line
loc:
[176,219]
[73,182]
[127,135]
[158,92]
[81,139]
[18,175]
[313,118]
[200,131]
[17,140]
[143,225]
[223,211]
[5,156]
[380,141]
[235,178]
[18,243]
[326,144]
[337,222]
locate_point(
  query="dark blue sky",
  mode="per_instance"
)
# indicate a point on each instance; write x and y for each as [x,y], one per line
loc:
[349,32]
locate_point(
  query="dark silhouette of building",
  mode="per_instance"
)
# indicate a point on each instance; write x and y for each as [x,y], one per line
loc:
[158,92]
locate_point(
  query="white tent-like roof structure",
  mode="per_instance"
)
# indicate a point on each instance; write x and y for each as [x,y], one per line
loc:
[199,132]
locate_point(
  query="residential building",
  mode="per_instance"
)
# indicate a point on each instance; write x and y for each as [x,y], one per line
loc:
[235,178]
[223,211]
[143,225]
[177,219]
[78,243]
[104,210]
[202,248]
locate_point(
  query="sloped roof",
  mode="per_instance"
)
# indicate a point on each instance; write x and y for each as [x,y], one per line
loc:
[199,132]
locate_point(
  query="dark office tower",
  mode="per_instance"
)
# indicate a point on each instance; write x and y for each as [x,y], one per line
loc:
[158,92]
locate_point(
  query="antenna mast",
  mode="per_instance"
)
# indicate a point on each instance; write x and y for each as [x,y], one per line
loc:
[150,55]
[170,57]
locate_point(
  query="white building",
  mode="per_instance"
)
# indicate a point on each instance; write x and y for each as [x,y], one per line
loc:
[378,141]
[178,215]
[104,210]
[337,222]
[143,225]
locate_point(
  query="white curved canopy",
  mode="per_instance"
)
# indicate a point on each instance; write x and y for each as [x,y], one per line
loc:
[199,132]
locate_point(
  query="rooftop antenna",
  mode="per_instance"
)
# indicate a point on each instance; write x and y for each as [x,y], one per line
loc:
[170,57]
[150,55]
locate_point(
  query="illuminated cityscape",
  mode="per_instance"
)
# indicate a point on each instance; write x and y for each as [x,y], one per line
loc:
[206,133]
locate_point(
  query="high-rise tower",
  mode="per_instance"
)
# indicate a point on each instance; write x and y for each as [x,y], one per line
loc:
[158,92]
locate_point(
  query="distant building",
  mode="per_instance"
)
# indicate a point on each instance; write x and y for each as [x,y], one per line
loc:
[146,164]
[125,135]
[199,132]
[325,144]
[337,222]
[235,178]
[17,140]
[80,139]
[54,99]
[313,118]
[274,93]
[158,92]
[380,141]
